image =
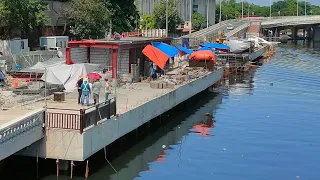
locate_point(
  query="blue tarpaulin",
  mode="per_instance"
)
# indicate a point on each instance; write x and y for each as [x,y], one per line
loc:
[165,48]
[215,45]
[185,50]
[207,48]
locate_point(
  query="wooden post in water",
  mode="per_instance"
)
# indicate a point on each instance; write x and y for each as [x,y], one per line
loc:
[87,170]
[57,161]
[71,169]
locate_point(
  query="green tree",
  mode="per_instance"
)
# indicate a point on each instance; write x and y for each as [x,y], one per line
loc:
[87,18]
[124,15]
[159,13]
[198,21]
[23,16]
[148,22]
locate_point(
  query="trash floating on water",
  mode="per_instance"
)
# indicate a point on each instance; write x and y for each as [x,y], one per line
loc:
[297,177]
[163,146]
[271,84]
[224,149]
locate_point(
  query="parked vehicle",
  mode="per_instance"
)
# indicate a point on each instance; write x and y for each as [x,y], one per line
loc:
[229,27]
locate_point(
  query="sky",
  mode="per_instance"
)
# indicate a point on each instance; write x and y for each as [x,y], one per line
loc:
[267,2]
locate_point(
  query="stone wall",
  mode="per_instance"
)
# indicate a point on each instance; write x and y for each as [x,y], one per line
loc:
[123,62]
[102,57]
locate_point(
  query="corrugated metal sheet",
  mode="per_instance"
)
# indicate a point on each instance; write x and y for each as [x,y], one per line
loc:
[100,56]
[79,55]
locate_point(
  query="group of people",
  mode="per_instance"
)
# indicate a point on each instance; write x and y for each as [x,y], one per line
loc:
[85,88]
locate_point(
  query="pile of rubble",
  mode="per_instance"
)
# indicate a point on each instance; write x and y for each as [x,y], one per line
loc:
[177,77]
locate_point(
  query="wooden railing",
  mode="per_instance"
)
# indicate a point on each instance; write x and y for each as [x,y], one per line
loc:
[80,119]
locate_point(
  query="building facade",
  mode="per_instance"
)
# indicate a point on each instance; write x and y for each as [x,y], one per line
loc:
[200,6]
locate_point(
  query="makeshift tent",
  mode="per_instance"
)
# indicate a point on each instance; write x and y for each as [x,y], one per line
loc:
[156,56]
[40,66]
[67,75]
[215,45]
[237,46]
[203,55]
[184,50]
[165,48]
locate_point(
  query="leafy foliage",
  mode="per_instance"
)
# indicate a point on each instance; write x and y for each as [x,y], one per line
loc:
[159,14]
[232,9]
[198,21]
[87,18]
[124,15]
[148,22]
[27,15]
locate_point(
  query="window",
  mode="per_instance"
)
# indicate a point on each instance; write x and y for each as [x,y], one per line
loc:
[195,8]
[22,44]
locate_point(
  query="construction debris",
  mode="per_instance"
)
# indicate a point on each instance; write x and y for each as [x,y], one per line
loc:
[177,77]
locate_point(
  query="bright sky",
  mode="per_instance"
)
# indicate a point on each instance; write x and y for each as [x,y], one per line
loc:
[267,2]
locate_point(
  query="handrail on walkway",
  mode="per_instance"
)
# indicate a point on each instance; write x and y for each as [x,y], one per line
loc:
[81,119]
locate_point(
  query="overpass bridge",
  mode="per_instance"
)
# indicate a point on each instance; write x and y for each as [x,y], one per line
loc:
[29,132]
[275,24]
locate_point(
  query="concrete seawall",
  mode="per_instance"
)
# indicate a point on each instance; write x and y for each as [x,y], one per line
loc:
[129,121]
[71,145]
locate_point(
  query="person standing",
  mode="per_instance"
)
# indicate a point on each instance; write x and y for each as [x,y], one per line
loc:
[96,86]
[107,90]
[85,88]
[79,83]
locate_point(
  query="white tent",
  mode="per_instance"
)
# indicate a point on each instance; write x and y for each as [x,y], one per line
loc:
[67,75]
[40,66]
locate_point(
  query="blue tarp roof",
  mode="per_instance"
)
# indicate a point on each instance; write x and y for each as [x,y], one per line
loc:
[215,45]
[185,50]
[165,48]
[207,48]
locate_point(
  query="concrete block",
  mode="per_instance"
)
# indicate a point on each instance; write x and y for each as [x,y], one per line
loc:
[170,85]
[154,84]
[164,85]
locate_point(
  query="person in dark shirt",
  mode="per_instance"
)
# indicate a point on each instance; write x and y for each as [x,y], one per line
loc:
[79,83]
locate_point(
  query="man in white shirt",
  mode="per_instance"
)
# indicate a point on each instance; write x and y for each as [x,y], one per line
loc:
[107,89]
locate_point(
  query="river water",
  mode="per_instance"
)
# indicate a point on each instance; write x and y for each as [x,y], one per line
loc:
[267,128]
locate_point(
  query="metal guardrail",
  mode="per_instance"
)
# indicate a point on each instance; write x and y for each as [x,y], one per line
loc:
[18,128]
[80,119]
[212,32]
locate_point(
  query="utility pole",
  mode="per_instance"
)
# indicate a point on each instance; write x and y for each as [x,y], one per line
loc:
[297,7]
[166,18]
[242,10]
[207,13]
[190,17]
[270,8]
[220,12]
[305,7]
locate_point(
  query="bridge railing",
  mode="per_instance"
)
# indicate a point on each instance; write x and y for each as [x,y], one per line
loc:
[73,119]
[14,129]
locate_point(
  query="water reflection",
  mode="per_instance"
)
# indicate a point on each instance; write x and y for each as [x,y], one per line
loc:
[156,146]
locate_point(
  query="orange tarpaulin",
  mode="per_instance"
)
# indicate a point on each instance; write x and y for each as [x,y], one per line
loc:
[155,55]
[203,55]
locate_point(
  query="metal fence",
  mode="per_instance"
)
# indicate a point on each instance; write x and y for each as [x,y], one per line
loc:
[80,119]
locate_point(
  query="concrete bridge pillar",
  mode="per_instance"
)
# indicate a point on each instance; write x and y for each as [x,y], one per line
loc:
[316,33]
[294,33]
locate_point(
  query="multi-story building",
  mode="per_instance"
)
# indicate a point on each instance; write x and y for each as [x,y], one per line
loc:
[200,6]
